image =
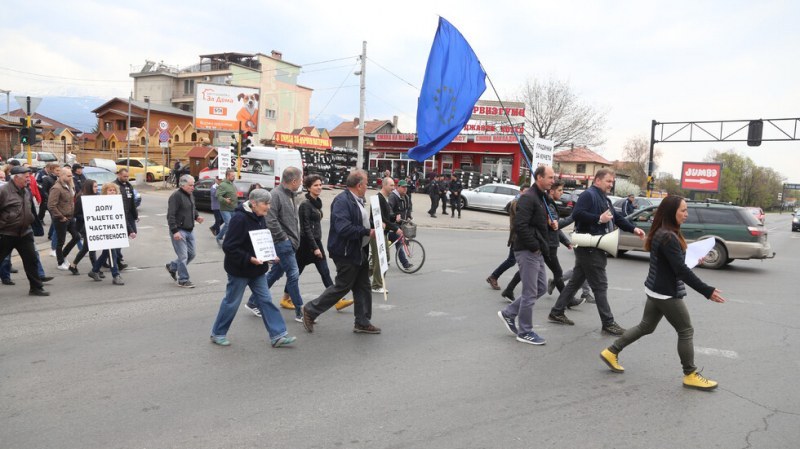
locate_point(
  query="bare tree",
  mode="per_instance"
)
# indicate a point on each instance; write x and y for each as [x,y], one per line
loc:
[554,112]
[637,153]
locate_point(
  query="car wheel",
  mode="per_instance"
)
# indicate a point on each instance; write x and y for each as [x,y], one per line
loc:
[716,257]
[728,262]
[150,177]
[508,208]
[463,202]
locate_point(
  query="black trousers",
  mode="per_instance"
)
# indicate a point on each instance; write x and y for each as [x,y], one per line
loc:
[443,199]
[455,204]
[62,227]
[553,264]
[434,203]
[590,265]
[27,251]
[349,277]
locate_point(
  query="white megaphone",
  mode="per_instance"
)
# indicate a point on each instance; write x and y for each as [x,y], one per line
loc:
[606,242]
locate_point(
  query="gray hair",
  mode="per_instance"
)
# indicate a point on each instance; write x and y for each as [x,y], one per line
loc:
[185,180]
[260,196]
[290,174]
[355,177]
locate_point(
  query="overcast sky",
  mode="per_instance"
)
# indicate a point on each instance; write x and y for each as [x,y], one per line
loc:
[638,60]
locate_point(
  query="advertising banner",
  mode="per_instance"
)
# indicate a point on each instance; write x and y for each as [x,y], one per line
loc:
[224,108]
[543,151]
[105,222]
[296,140]
[701,176]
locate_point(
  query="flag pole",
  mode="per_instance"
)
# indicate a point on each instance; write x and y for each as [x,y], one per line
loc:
[505,112]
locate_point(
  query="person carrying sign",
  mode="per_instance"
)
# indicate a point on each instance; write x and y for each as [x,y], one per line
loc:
[112,255]
[244,269]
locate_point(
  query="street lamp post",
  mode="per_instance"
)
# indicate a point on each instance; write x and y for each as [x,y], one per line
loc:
[147,138]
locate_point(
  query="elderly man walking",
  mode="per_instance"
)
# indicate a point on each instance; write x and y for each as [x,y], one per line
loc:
[348,246]
[284,225]
[16,217]
[181,215]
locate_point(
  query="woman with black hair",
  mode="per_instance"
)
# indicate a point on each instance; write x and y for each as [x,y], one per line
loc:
[665,290]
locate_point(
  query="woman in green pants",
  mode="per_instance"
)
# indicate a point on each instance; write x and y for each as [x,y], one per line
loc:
[665,290]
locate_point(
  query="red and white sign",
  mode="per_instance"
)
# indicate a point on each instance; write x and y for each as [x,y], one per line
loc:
[701,176]
[496,111]
[396,137]
[495,138]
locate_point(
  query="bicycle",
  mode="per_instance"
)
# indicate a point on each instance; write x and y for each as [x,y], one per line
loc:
[411,248]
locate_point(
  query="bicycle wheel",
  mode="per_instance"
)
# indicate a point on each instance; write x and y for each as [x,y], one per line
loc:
[415,254]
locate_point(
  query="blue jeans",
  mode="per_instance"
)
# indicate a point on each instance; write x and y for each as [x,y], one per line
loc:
[51,234]
[288,265]
[226,218]
[184,249]
[273,320]
[5,267]
[103,258]
[505,265]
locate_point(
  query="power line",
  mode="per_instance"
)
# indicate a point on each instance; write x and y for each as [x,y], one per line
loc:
[64,77]
[393,106]
[336,92]
[392,73]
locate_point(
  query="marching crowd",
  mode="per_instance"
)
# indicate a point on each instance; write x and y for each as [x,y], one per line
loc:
[295,228]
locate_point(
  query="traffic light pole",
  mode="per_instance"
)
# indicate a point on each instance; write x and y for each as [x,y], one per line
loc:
[239,153]
[28,125]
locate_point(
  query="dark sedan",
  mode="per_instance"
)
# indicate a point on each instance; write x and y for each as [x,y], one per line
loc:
[202,192]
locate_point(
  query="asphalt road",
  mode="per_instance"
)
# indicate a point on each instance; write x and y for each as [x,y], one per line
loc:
[103,366]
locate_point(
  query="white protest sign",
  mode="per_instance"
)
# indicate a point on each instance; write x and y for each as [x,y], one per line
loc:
[542,152]
[263,245]
[105,222]
[223,161]
[375,202]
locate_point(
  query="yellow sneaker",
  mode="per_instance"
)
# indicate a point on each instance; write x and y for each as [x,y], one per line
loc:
[286,302]
[343,303]
[698,382]
[611,360]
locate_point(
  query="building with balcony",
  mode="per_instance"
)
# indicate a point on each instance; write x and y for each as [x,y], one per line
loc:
[283,106]
[577,166]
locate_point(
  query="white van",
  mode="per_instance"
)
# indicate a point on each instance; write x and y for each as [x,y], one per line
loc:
[263,165]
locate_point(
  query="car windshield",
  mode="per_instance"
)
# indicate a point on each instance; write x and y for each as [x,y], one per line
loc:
[151,162]
[101,177]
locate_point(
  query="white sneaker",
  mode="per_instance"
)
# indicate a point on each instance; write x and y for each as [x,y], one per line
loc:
[380,290]
[52,253]
[64,266]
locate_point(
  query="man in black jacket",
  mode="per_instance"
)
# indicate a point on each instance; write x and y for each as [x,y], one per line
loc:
[129,205]
[181,215]
[593,215]
[433,193]
[530,246]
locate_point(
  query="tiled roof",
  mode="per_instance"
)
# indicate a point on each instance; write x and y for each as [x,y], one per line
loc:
[580,154]
[350,129]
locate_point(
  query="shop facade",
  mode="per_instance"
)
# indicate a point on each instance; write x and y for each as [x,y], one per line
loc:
[496,156]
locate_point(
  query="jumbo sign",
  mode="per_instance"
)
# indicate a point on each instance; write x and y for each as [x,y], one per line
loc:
[701,176]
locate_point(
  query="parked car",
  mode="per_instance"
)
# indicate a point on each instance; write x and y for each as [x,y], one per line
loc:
[496,197]
[264,165]
[739,235]
[102,176]
[202,192]
[108,164]
[566,203]
[38,158]
[640,202]
[155,171]
[758,213]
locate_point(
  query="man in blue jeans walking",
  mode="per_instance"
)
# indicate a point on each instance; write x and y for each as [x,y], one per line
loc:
[228,200]
[181,215]
[284,225]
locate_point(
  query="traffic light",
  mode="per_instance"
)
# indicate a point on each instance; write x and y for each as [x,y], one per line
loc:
[25,136]
[754,131]
[34,135]
[234,144]
[247,143]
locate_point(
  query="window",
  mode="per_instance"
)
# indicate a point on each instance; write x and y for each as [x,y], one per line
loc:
[718,216]
[188,87]
[108,126]
[194,137]
[143,141]
[176,138]
[507,191]
[348,143]
[486,189]
[121,125]
[271,114]
[580,168]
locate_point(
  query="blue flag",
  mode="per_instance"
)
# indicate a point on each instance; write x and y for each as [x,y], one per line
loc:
[454,81]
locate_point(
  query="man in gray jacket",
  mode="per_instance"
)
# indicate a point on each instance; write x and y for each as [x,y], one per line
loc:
[284,225]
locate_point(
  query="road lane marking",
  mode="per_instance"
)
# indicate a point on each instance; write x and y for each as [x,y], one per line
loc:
[386,306]
[717,352]
[144,227]
[744,301]
[454,271]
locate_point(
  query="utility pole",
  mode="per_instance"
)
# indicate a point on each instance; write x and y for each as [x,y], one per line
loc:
[28,125]
[128,129]
[362,106]
[8,102]
[147,139]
